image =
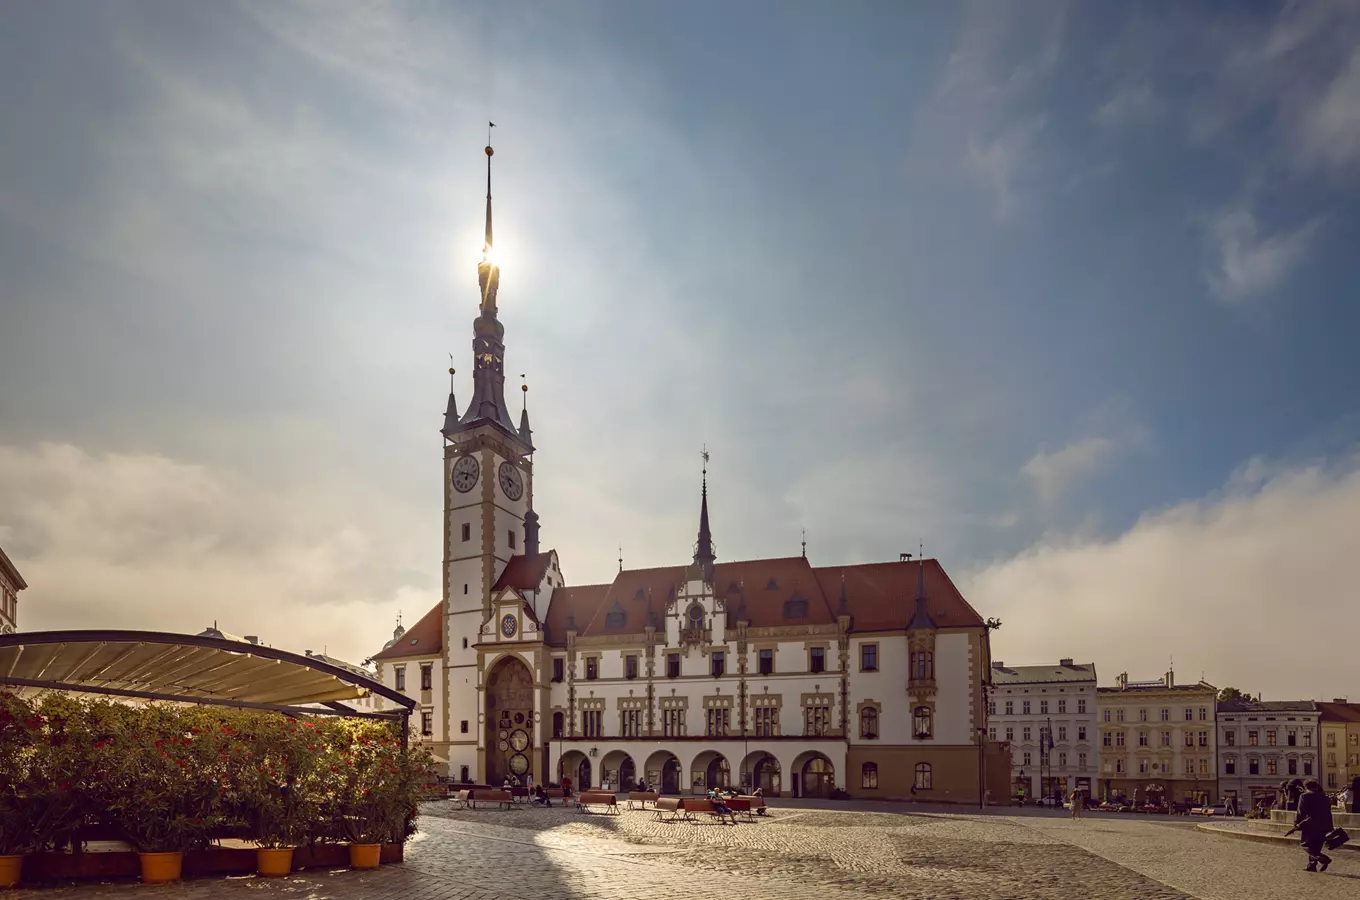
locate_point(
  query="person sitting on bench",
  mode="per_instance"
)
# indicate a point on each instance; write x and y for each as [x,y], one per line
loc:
[541,796]
[721,808]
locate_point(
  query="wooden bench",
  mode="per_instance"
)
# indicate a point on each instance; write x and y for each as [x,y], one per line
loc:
[703,805]
[587,799]
[502,798]
[463,798]
[642,798]
[747,806]
[672,805]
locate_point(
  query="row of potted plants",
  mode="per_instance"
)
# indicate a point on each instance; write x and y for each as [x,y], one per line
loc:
[169,779]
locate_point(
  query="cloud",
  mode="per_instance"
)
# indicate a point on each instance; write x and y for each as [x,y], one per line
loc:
[1132,104]
[1248,585]
[1001,161]
[1329,133]
[1052,472]
[143,541]
[1250,263]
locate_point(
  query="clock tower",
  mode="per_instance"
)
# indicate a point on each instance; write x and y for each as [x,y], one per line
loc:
[488,500]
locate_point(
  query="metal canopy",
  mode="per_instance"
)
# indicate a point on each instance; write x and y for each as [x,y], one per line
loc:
[181,668]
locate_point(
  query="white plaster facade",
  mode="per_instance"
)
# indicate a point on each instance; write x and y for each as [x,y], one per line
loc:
[1261,744]
[1027,702]
[11,583]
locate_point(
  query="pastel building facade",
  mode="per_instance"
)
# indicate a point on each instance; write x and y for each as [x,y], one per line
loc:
[1158,737]
[1047,715]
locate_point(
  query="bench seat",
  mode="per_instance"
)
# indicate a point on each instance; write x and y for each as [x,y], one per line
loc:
[587,799]
[642,798]
[501,798]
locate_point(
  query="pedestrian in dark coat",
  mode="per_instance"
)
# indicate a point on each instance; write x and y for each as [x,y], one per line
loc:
[1314,821]
[1295,792]
[1355,794]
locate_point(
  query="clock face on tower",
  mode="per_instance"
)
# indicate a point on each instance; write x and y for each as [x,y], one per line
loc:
[465,473]
[511,482]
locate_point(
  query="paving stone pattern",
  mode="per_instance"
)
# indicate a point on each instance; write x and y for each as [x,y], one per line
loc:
[558,854]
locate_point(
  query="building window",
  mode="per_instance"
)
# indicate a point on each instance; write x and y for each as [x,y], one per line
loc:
[1043,707]
[426,676]
[1229,738]
[1062,759]
[1119,715]
[557,724]
[1105,739]
[672,665]
[1189,767]
[1119,738]
[765,662]
[1142,715]
[767,721]
[868,662]
[991,733]
[1106,716]
[1331,760]
[1270,737]
[427,723]
[511,534]
[923,780]
[1189,739]
[1204,738]
[592,722]
[1025,734]
[1254,766]
[1331,779]
[673,722]
[1307,737]
[1062,732]
[1253,738]
[868,723]
[868,776]
[1081,760]
[1142,738]
[630,723]
[1272,766]
[401,677]
[696,617]
[1081,732]
[1229,765]
[816,721]
[718,721]
[1010,734]
[1062,706]
[467,532]
[558,666]
[991,707]
[1189,714]
[921,722]
[630,666]
[464,639]
[797,608]
[1010,707]
[592,668]
[1291,738]
[463,727]
[1331,740]
[1292,765]
[817,662]
[1166,739]
[924,666]
[1308,766]
[718,663]
[1024,708]
[1166,715]
[1203,713]
[1081,706]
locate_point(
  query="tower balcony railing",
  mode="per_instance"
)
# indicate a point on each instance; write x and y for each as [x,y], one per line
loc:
[695,635]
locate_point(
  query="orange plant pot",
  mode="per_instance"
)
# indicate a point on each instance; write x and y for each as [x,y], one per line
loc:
[274,863]
[11,867]
[158,868]
[365,856]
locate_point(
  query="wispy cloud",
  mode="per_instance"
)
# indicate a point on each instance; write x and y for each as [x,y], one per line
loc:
[1131,104]
[1053,471]
[1329,130]
[1001,161]
[1250,261]
[1256,569]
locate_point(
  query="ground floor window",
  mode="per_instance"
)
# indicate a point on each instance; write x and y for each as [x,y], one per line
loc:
[923,776]
[868,777]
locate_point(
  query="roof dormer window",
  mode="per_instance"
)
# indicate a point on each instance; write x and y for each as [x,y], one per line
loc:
[616,617]
[772,585]
[795,608]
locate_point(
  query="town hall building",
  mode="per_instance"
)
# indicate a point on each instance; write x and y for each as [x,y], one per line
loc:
[804,680]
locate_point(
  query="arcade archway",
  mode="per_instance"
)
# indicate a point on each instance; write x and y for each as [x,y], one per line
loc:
[761,770]
[662,772]
[816,776]
[617,771]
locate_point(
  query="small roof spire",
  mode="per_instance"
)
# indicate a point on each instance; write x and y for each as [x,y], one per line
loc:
[805,544]
[450,411]
[703,551]
[844,608]
[620,558]
[525,432]
[486,247]
[922,617]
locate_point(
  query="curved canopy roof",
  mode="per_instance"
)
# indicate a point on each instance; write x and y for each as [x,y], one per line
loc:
[183,668]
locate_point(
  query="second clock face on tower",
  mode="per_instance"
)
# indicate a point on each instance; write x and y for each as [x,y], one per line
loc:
[511,482]
[465,472]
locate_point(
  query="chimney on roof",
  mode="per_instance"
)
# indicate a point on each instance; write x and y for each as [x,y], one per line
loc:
[1065,663]
[904,557]
[1340,700]
[1122,681]
[253,639]
[1169,679]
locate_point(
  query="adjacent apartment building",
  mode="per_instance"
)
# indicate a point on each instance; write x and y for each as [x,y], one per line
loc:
[11,583]
[1158,737]
[1261,743]
[1340,725]
[1047,714]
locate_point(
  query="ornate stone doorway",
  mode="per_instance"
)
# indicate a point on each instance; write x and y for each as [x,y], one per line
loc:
[509,721]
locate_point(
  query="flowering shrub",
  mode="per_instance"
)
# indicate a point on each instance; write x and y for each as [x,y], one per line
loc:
[175,777]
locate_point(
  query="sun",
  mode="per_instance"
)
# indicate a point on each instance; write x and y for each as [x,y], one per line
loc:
[494,255]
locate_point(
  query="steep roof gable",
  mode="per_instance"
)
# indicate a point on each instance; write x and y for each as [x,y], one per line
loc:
[425,638]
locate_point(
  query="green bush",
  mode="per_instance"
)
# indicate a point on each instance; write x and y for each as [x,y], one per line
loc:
[174,777]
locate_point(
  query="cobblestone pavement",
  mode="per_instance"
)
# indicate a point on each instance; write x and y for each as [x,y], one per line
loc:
[795,854]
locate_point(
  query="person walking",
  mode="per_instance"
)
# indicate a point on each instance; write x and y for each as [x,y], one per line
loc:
[1078,801]
[1314,821]
[1355,795]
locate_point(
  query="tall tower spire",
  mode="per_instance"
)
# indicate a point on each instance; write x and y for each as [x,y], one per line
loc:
[488,406]
[703,551]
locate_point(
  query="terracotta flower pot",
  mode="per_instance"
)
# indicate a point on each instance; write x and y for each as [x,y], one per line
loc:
[158,868]
[365,856]
[11,867]
[274,863]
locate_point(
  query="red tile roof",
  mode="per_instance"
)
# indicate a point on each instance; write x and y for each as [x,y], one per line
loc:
[578,603]
[524,572]
[882,596]
[425,638]
[1340,712]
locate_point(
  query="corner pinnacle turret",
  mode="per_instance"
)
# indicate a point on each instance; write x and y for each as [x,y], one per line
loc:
[703,550]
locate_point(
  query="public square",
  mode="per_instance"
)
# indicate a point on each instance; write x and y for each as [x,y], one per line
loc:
[824,851]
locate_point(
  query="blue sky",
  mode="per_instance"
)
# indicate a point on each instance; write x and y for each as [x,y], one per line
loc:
[1064,292]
